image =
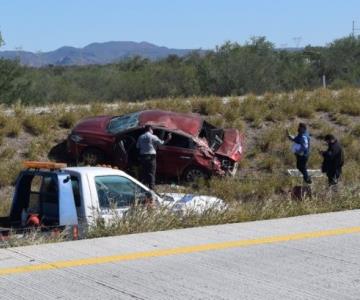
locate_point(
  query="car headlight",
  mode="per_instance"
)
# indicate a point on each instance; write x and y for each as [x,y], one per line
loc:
[76,138]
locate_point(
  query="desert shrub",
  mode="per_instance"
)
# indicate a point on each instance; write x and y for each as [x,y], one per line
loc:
[349,102]
[356,130]
[269,163]
[315,159]
[206,106]
[12,128]
[68,119]
[341,120]
[324,130]
[323,100]
[351,172]
[8,172]
[19,110]
[238,124]
[171,104]
[352,150]
[270,138]
[5,204]
[216,120]
[97,108]
[3,121]
[253,110]
[38,124]
[7,153]
[39,148]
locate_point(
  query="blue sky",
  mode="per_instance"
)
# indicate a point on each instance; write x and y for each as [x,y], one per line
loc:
[43,25]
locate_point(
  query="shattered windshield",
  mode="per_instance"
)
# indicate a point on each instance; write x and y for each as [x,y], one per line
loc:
[213,135]
[122,123]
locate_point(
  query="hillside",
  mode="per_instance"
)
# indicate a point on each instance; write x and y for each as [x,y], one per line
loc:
[260,190]
[95,53]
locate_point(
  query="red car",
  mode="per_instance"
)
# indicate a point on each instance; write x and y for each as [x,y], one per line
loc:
[196,149]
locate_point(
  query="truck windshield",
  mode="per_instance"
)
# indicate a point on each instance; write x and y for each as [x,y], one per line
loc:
[118,124]
[116,191]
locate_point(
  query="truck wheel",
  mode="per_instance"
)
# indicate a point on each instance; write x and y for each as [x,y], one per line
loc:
[92,156]
[193,173]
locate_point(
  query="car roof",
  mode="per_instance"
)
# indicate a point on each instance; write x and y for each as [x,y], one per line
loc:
[186,122]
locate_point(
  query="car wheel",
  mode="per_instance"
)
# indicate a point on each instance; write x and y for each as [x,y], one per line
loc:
[193,173]
[92,156]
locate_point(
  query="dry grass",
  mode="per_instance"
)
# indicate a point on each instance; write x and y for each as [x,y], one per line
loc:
[266,207]
[260,191]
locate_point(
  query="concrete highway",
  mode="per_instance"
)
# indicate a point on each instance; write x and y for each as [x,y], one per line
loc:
[307,257]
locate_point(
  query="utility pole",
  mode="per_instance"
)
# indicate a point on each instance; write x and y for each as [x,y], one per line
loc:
[297,41]
[354,28]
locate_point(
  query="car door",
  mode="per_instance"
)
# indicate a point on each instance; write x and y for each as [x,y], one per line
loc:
[175,156]
[125,152]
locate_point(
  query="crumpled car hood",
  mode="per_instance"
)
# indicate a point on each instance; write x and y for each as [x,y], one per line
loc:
[232,146]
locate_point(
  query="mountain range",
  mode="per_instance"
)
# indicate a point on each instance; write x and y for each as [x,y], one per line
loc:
[95,53]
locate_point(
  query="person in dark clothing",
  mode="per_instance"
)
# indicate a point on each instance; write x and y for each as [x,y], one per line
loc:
[147,144]
[333,160]
[301,149]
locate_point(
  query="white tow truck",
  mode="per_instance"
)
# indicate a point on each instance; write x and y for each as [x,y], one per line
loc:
[51,196]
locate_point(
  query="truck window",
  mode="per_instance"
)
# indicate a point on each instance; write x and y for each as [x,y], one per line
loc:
[34,199]
[76,190]
[116,191]
[44,199]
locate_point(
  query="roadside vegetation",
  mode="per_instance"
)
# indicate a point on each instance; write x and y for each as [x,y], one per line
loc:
[231,69]
[261,189]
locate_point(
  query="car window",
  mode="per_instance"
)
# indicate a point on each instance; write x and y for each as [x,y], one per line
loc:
[116,191]
[180,141]
[122,123]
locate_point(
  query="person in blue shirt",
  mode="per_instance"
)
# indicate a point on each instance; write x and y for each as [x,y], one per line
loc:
[301,149]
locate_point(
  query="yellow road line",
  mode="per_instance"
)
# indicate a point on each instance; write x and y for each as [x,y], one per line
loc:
[178,250]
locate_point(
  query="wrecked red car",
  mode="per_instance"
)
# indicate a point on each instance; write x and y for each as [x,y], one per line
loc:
[196,149]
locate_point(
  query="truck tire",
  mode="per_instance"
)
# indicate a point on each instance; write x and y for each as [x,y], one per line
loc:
[92,156]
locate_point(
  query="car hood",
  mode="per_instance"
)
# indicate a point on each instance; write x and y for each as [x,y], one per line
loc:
[93,124]
[232,146]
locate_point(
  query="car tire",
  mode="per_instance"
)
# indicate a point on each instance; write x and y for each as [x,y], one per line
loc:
[92,156]
[191,174]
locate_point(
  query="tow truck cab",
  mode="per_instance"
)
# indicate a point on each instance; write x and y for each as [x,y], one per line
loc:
[42,195]
[51,196]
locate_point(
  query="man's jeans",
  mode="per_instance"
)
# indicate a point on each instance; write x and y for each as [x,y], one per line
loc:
[301,164]
[148,167]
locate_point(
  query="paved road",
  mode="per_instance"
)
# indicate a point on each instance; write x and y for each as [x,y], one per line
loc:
[309,257]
